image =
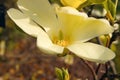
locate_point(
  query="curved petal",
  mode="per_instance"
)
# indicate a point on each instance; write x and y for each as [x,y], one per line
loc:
[79,26]
[40,11]
[31,28]
[45,44]
[92,52]
[24,22]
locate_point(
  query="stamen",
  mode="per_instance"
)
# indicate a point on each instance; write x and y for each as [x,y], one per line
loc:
[62,43]
[60,40]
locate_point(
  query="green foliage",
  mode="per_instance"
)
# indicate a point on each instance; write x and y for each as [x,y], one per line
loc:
[110,7]
[62,74]
[117,58]
[92,2]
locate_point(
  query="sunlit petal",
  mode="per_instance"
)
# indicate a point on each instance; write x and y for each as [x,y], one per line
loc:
[92,52]
[40,11]
[45,44]
[79,26]
[24,22]
[72,3]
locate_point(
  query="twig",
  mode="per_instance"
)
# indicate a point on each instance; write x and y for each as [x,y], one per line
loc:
[98,68]
[91,68]
[112,64]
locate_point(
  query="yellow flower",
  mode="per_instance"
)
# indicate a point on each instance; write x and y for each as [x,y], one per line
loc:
[72,3]
[61,29]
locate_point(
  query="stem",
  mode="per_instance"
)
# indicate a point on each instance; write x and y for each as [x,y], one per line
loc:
[112,64]
[116,3]
[105,74]
[98,68]
[91,68]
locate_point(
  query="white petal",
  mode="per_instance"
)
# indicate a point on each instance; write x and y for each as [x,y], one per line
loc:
[28,26]
[80,27]
[45,44]
[24,22]
[92,52]
[40,11]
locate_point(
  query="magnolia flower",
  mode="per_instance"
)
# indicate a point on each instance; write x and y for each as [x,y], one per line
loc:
[62,29]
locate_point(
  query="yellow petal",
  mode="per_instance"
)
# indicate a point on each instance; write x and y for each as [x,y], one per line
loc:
[40,11]
[80,27]
[72,3]
[24,22]
[92,52]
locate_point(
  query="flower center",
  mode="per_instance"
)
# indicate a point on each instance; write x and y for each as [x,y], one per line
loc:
[61,39]
[61,42]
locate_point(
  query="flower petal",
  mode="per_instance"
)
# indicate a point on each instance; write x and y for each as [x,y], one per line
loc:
[40,11]
[45,44]
[24,22]
[79,26]
[30,27]
[72,3]
[92,52]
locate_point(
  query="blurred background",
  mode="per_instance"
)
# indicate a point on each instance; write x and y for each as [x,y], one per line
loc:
[20,59]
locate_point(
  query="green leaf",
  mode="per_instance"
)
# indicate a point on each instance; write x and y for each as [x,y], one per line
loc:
[62,74]
[59,73]
[66,74]
[117,58]
[110,7]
